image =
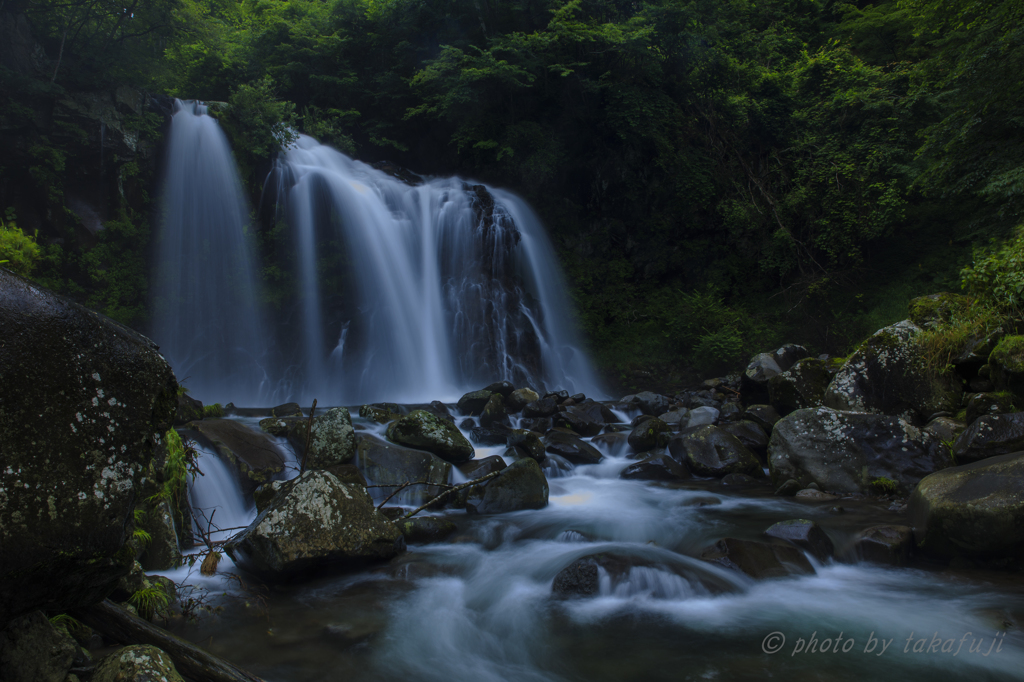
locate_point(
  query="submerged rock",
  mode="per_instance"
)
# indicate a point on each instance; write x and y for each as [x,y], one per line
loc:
[421,429]
[85,404]
[319,523]
[521,485]
[975,510]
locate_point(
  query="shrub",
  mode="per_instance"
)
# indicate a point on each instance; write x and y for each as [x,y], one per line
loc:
[19,252]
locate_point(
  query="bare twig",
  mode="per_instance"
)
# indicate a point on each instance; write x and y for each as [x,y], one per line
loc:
[448,492]
[309,432]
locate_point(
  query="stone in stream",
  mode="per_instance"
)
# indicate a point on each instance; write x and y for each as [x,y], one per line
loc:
[528,442]
[503,388]
[802,385]
[377,413]
[582,421]
[887,374]
[320,523]
[615,444]
[711,452]
[521,485]
[657,467]
[571,448]
[848,452]
[805,534]
[383,463]
[545,407]
[989,436]
[582,578]
[751,434]
[286,410]
[423,530]
[255,458]
[332,440]
[700,416]
[494,412]
[520,398]
[496,434]
[421,429]
[650,403]
[473,403]
[33,650]
[885,544]
[975,510]
[481,467]
[757,559]
[85,406]
[649,435]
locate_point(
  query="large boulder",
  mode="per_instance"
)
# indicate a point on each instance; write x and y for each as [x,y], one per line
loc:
[319,523]
[332,440]
[989,436]
[33,650]
[521,485]
[85,403]
[138,663]
[802,385]
[887,374]
[255,456]
[975,510]
[711,452]
[648,435]
[424,430]
[750,433]
[386,464]
[474,402]
[850,452]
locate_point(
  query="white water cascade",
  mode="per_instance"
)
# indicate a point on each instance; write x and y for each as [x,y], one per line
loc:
[206,318]
[439,288]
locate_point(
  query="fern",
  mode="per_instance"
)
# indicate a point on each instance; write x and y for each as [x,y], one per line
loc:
[149,600]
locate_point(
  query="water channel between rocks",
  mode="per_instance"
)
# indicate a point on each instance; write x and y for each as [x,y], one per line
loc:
[479,606]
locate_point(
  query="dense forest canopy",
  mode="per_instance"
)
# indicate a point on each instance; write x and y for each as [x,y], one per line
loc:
[717,175]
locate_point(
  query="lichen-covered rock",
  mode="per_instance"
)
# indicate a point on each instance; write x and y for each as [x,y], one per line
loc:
[975,510]
[320,523]
[571,448]
[138,663]
[847,451]
[981,404]
[709,451]
[387,464]
[520,398]
[378,413]
[255,457]
[332,440]
[85,403]
[757,559]
[33,650]
[945,429]
[802,385]
[763,366]
[805,534]
[648,435]
[473,403]
[988,436]
[888,375]
[660,467]
[521,485]
[421,429]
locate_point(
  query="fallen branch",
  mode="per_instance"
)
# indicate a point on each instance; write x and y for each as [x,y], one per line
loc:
[448,492]
[403,486]
[121,625]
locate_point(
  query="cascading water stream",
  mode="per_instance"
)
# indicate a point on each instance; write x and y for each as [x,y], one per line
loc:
[206,316]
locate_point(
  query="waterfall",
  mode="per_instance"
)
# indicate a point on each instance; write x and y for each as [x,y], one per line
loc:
[206,316]
[439,287]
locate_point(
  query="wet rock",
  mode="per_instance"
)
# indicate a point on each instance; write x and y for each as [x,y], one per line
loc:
[814,495]
[188,409]
[33,650]
[711,452]
[649,435]
[387,464]
[763,415]
[439,409]
[481,467]
[555,466]
[519,399]
[521,485]
[659,467]
[538,425]
[545,407]
[138,663]
[571,448]
[759,560]
[527,441]
[473,403]
[885,544]
[788,488]
[494,412]
[675,418]
[751,434]
[85,404]
[255,457]
[989,436]
[292,428]
[888,375]
[945,429]
[320,523]
[848,451]
[421,429]
[983,404]
[701,416]
[975,510]
[286,410]
[163,551]
[648,402]
[805,534]
[333,440]
[802,385]
[738,480]
[503,388]
[615,444]
[423,530]
[764,366]
[495,435]
[265,494]
[377,413]
[580,420]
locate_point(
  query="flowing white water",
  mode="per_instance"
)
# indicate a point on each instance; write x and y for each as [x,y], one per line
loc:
[206,318]
[441,288]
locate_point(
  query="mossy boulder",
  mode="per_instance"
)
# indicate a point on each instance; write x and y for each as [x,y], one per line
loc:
[422,530]
[887,374]
[378,413]
[319,524]
[935,310]
[975,510]
[255,457]
[846,451]
[85,404]
[427,431]
[332,439]
[713,453]
[1007,365]
[33,650]
[138,663]
[981,404]
[189,409]
[527,443]
[474,402]
[648,435]
[802,385]
[521,485]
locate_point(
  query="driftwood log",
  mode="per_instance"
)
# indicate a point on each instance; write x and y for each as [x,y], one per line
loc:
[121,625]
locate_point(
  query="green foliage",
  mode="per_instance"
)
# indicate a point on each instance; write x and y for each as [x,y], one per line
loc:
[885,486]
[19,252]
[1009,353]
[69,623]
[258,123]
[214,410]
[149,600]
[997,275]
